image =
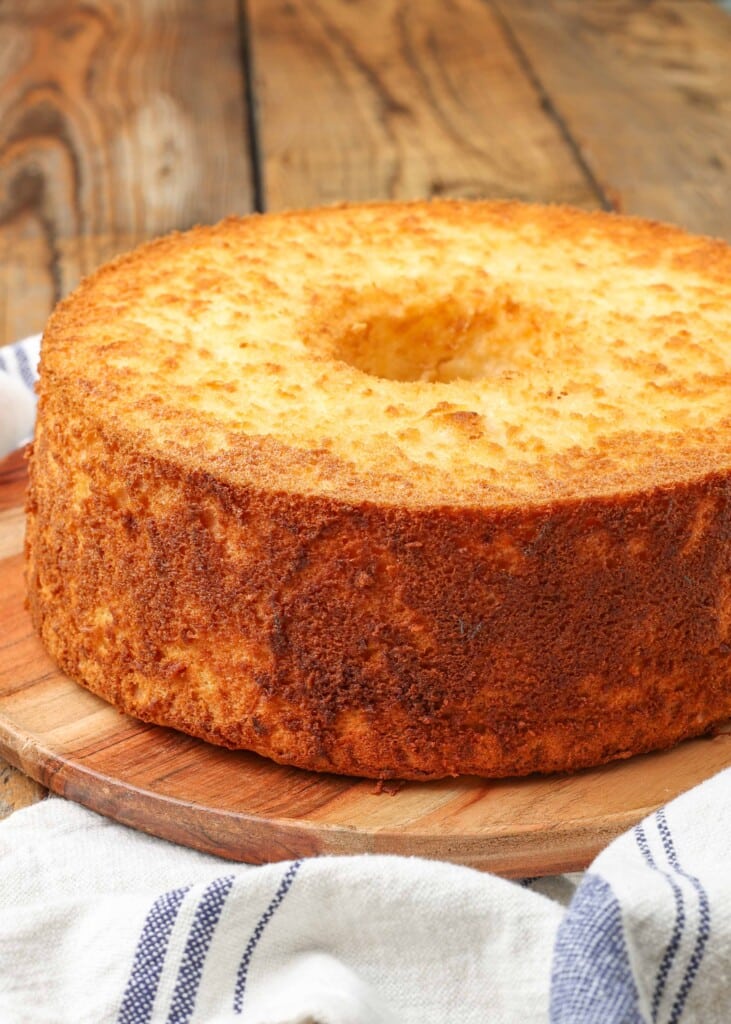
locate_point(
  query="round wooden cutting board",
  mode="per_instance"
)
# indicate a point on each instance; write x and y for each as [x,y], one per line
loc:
[243,807]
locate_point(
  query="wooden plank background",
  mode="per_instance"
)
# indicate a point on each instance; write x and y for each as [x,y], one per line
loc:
[429,99]
[644,92]
[119,120]
[123,119]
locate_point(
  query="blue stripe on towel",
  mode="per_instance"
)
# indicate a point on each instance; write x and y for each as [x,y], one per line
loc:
[194,956]
[591,978]
[26,370]
[243,972]
[704,919]
[676,935]
[139,996]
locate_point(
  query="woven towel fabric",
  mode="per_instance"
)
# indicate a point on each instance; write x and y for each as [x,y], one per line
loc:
[100,923]
[647,937]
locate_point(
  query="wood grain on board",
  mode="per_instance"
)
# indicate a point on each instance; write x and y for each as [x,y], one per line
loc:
[13,478]
[411,99]
[17,790]
[119,121]
[644,90]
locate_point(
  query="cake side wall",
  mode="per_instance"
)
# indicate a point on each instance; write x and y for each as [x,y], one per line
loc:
[378,641]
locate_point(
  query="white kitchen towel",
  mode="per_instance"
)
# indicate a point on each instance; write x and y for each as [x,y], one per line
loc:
[18,374]
[100,923]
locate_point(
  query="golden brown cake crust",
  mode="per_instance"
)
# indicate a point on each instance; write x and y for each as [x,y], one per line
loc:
[263,511]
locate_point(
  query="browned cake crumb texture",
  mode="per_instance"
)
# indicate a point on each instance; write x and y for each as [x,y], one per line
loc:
[395,490]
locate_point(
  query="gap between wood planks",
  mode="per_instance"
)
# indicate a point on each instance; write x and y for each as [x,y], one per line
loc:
[638,95]
[423,100]
[550,107]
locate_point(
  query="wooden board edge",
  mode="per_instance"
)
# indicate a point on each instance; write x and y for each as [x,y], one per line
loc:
[251,839]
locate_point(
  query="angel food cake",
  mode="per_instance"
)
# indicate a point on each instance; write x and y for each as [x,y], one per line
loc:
[395,490]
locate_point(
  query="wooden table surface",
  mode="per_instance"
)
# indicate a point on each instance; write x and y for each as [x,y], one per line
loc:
[123,119]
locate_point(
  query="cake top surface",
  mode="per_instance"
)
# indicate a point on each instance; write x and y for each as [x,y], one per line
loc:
[449,353]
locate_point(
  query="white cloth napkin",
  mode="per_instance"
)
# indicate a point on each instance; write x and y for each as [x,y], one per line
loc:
[100,923]
[18,374]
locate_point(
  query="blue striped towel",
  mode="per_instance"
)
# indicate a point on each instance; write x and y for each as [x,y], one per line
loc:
[99,923]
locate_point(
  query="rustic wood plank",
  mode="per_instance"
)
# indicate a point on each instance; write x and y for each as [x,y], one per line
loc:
[407,99]
[645,90]
[17,790]
[119,120]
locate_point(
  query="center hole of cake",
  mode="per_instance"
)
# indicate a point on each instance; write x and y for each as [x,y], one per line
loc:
[439,342]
